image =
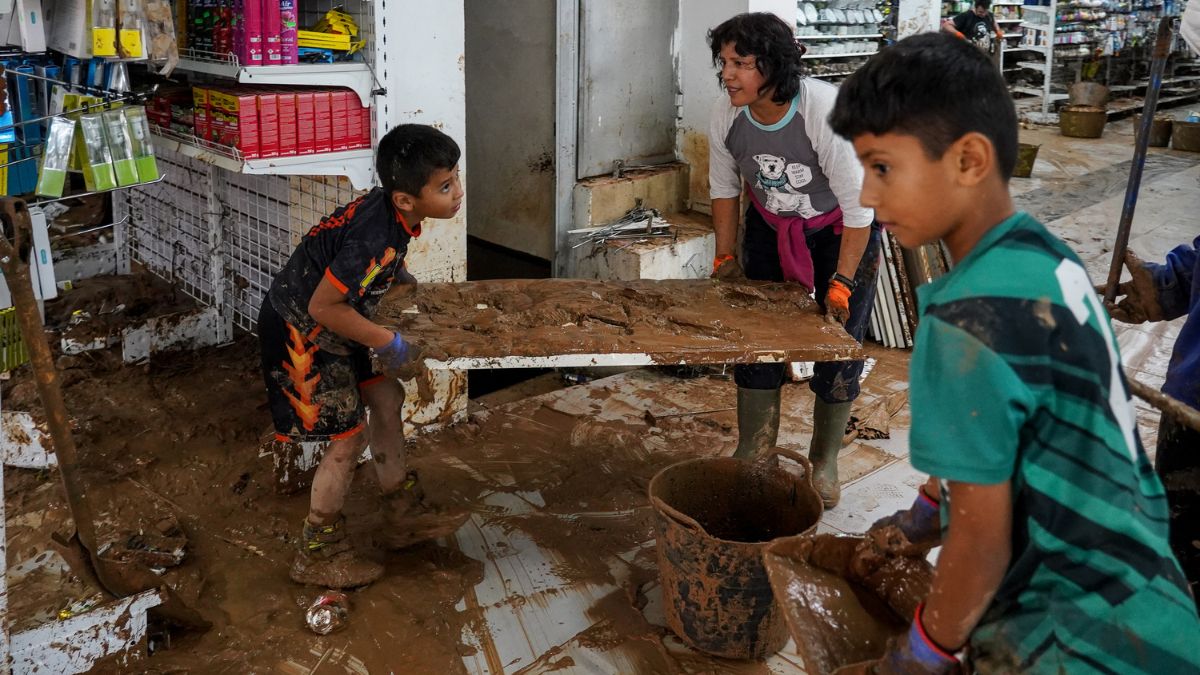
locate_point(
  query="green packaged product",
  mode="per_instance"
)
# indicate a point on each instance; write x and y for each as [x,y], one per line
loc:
[55,157]
[143,145]
[120,146]
[98,174]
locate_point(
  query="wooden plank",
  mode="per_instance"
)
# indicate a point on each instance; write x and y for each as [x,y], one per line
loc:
[549,323]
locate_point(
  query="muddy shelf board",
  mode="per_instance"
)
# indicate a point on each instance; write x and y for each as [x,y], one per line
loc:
[555,323]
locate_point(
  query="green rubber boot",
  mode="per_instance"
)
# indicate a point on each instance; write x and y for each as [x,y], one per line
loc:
[829,427]
[758,421]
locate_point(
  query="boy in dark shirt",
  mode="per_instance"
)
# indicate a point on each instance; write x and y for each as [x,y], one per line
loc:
[1053,525]
[317,338]
[976,26]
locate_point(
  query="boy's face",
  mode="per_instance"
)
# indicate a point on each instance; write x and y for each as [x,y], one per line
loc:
[740,76]
[913,196]
[981,11]
[440,198]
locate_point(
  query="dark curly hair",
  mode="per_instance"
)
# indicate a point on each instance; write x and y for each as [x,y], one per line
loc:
[935,87]
[409,154]
[770,40]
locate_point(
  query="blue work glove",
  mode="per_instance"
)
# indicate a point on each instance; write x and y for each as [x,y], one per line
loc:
[915,654]
[394,354]
[921,523]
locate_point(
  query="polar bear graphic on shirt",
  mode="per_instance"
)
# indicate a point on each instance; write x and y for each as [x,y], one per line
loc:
[781,182]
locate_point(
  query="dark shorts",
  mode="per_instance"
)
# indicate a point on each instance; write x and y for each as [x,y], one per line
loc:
[1178,464]
[833,381]
[314,395]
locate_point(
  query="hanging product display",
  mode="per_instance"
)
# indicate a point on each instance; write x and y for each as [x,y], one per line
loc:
[56,155]
[143,144]
[120,147]
[96,159]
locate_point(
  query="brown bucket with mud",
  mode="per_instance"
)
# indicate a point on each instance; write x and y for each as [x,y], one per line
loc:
[713,518]
[843,598]
[1160,129]
[1082,121]
[1185,136]
[1026,156]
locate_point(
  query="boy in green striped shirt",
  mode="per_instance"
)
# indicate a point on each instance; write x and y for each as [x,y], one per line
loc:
[1052,522]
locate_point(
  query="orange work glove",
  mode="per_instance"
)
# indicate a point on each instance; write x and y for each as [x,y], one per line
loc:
[837,302]
[726,267]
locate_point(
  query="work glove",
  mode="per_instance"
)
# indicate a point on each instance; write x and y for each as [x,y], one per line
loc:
[414,367]
[910,654]
[837,302]
[1140,302]
[921,523]
[727,268]
[394,354]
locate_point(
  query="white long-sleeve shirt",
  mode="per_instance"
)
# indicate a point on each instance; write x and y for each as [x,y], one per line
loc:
[796,167]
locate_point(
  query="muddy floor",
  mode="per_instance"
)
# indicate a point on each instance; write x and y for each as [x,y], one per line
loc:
[555,571]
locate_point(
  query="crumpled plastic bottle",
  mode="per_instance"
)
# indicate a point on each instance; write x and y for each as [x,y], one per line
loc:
[328,612]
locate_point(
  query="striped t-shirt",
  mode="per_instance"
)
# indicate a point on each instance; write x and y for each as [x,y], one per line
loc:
[1016,376]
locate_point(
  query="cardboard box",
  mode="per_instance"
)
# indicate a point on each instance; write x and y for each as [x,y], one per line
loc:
[268,123]
[235,120]
[306,122]
[288,133]
[323,120]
[340,119]
[364,141]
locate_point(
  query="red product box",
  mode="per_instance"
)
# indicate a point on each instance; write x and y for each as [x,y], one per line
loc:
[201,123]
[306,125]
[238,110]
[268,124]
[363,140]
[288,145]
[341,104]
[323,120]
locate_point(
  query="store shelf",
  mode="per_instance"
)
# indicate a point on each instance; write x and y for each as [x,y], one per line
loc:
[1032,64]
[839,56]
[356,76]
[1008,20]
[357,165]
[866,36]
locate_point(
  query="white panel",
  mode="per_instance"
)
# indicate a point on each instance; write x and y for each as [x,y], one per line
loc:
[627,84]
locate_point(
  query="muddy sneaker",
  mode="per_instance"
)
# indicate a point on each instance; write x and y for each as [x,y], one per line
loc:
[409,519]
[326,558]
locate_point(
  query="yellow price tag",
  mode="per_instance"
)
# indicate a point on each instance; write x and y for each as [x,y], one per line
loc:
[131,43]
[104,42]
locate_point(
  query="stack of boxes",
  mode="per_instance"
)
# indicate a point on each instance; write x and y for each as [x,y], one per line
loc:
[263,122]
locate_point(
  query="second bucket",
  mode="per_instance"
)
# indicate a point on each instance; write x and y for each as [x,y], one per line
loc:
[713,518]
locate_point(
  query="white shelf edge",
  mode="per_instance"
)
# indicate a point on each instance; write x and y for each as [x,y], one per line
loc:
[868,36]
[839,56]
[1008,20]
[1032,65]
[356,76]
[357,165]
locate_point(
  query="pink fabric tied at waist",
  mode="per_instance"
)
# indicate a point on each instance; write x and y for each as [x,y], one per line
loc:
[794,256]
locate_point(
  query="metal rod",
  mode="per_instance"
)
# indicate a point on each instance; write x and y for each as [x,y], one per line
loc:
[1158,64]
[84,109]
[1182,412]
[98,192]
[71,85]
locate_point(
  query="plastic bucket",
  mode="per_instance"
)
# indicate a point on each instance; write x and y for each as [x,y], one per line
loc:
[1082,121]
[1026,156]
[1185,136]
[1160,129]
[1088,93]
[713,518]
